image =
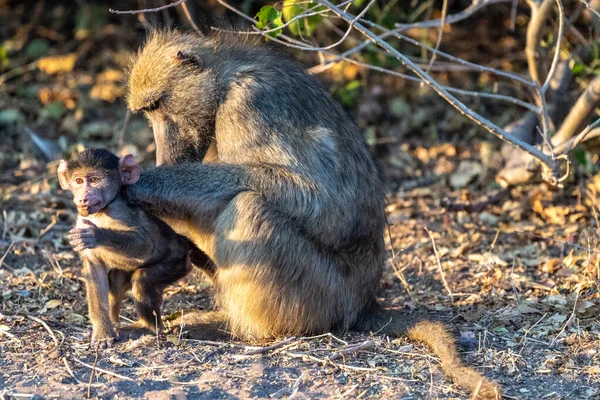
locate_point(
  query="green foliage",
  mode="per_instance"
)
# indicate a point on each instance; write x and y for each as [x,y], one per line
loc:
[37,48]
[580,157]
[28,91]
[4,60]
[269,18]
[53,111]
[303,26]
[11,116]
[580,69]
[349,93]
[90,18]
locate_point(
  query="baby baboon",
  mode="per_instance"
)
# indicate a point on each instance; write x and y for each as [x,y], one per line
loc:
[290,210]
[121,246]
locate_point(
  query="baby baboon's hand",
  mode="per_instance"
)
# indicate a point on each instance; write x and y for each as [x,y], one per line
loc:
[84,238]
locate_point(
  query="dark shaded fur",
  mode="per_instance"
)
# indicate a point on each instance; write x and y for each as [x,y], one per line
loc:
[290,211]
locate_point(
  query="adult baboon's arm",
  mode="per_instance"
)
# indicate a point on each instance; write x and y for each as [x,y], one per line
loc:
[202,191]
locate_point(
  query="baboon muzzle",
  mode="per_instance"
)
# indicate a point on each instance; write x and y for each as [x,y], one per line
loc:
[163,130]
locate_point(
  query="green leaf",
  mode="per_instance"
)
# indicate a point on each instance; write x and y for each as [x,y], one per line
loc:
[10,116]
[349,93]
[53,111]
[4,60]
[580,157]
[353,85]
[303,26]
[37,48]
[269,18]
[90,18]
[500,329]
[578,68]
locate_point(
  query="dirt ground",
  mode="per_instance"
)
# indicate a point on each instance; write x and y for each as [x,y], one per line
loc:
[522,294]
[515,272]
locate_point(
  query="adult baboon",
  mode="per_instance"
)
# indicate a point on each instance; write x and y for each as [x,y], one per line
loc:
[289,216]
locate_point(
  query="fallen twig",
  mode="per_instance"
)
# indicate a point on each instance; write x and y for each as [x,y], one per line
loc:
[367,344]
[50,331]
[263,350]
[326,361]
[439,263]
[70,371]
[479,205]
[89,389]
[114,374]
[6,252]
[577,293]
[5,228]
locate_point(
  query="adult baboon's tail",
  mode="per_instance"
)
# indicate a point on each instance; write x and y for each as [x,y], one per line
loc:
[437,336]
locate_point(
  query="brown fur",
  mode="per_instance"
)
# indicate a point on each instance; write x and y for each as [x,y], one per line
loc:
[121,246]
[289,212]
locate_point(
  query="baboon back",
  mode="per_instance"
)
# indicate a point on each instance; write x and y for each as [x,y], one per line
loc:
[298,239]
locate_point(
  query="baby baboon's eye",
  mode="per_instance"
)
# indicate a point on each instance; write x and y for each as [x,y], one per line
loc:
[79,181]
[94,179]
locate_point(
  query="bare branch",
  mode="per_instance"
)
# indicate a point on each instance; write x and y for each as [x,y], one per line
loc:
[320,68]
[475,6]
[585,135]
[474,66]
[472,115]
[583,108]
[592,9]
[440,34]
[175,4]
[539,15]
[559,37]
[189,17]
[342,39]
[547,135]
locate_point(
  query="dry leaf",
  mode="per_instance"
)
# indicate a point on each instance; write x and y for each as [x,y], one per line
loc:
[111,75]
[467,171]
[52,304]
[107,91]
[525,309]
[56,64]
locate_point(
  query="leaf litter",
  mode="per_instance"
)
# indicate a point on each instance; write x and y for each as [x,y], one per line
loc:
[518,280]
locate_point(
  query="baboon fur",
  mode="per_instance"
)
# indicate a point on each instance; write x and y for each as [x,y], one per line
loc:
[289,214]
[121,246]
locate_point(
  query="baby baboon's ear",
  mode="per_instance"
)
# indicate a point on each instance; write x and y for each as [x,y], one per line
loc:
[63,178]
[129,170]
[190,58]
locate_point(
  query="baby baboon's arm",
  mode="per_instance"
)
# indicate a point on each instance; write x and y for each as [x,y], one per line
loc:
[131,243]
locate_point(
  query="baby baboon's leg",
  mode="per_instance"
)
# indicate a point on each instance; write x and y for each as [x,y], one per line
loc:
[202,261]
[96,278]
[119,282]
[148,285]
